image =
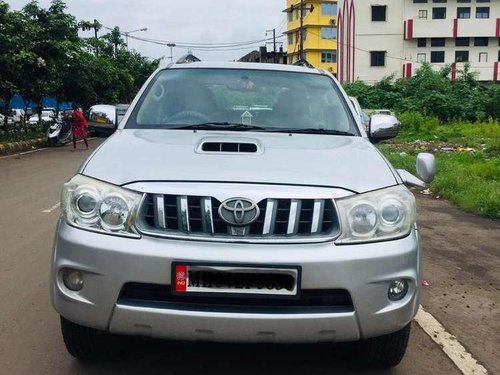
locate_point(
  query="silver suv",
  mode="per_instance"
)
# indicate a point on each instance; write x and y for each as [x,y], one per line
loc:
[240,203]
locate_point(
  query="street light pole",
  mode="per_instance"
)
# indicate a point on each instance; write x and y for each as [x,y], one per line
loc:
[171,45]
[127,33]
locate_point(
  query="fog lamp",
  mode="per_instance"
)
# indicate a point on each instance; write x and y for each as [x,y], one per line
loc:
[397,290]
[72,279]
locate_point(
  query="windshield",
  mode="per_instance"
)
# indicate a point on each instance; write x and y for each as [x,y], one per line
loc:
[260,99]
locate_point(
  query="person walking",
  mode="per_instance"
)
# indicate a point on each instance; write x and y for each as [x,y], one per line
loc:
[79,127]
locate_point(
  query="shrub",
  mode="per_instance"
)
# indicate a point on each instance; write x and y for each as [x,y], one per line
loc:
[416,121]
[433,94]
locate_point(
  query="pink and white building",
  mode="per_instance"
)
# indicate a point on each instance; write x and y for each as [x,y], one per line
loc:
[377,38]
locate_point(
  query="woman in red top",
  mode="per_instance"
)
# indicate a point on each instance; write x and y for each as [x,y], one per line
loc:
[79,127]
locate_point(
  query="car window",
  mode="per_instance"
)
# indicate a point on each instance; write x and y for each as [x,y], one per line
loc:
[269,99]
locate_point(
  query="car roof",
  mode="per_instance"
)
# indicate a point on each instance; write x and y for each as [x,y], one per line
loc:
[244,65]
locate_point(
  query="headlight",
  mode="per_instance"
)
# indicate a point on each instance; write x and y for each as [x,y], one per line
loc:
[376,216]
[95,205]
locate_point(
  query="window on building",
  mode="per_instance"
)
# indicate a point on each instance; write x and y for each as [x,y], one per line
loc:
[421,57]
[463,12]
[483,57]
[462,42]
[463,1]
[377,58]
[290,16]
[419,1]
[290,39]
[422,14]
[421,42]
[328,9]
[483,12]
[438,42]
[439,1]
[437,56]
[329,56]
[379,12]
[498,57]
[482,1]
[439,13]
[461,56]
[481,42]
[329,33]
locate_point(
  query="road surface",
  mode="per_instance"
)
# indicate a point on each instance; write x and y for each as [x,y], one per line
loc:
[462,266]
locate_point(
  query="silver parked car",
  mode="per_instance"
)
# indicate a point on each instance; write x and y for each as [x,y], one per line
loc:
[240,202]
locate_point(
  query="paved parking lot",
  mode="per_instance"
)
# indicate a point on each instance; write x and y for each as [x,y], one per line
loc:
[462,267]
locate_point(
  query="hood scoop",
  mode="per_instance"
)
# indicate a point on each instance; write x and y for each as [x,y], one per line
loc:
[228,146]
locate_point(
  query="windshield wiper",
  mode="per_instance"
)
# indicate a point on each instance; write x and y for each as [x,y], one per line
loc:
[312,131]
[220,126]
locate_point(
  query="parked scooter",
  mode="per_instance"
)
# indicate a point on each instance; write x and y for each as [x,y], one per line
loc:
[60,132]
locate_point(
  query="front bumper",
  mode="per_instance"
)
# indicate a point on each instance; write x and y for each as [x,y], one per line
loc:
[109,262]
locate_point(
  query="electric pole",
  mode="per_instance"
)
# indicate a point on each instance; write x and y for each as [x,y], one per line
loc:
[127,33]
[301,36]
[274,43]
[96,26]
[303,7]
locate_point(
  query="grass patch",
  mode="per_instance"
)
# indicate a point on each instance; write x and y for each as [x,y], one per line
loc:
[470,180]
[483,137]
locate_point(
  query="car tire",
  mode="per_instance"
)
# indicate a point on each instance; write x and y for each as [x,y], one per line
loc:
[385,351]
[86,343]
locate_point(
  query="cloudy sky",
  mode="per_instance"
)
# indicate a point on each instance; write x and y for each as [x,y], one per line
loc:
[188,21]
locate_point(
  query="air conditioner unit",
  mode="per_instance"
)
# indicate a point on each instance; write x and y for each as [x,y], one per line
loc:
[333,22]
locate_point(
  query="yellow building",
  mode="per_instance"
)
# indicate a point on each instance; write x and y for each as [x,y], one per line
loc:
[319,32]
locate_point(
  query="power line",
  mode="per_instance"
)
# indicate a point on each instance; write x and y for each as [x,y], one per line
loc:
[236,47]
[196,45]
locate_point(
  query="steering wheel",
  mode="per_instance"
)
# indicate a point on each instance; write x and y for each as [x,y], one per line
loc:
[188,115]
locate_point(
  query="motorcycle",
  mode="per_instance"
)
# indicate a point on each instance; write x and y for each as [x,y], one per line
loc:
[59,133]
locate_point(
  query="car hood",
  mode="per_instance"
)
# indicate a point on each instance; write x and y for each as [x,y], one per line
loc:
[352,163]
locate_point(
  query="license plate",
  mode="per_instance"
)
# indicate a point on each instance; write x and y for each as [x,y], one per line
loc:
[208,279]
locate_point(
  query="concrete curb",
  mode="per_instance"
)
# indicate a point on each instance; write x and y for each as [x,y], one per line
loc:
[21,146]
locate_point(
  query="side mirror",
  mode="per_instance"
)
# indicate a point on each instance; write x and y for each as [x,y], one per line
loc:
[383,127]
[426,167]
[102,115]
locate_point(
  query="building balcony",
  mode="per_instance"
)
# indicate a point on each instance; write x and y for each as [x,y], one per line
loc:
[452,28]
[419,28]
[477,27]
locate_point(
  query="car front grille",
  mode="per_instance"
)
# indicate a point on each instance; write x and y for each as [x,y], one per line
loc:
[198,217]
[309,301]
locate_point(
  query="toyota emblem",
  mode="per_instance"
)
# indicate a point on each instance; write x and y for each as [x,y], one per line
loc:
[239,211]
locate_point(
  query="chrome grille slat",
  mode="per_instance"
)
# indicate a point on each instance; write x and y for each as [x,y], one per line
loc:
[319,208]
[183,213]
[294,216]
[270,217]
[207,215]
[159,206]
[197,217]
